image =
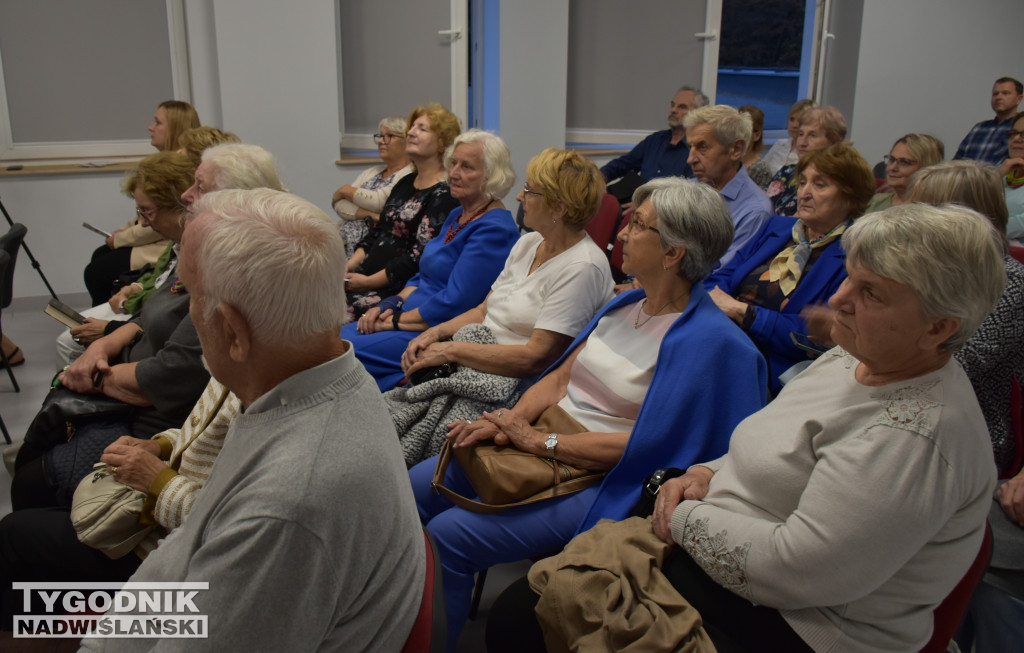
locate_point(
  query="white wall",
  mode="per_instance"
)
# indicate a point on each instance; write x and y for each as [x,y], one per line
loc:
[928,66]
[534,64]
[53,208]
[278,69]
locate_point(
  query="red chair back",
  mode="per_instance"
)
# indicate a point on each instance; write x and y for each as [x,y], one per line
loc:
[430,630]
[603,227]
[616,259]
[1017,252]
[950,613]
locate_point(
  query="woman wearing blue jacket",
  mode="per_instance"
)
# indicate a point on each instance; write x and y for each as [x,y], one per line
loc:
[658,378]
[795,262]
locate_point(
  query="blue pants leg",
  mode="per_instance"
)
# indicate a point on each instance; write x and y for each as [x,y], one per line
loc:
[380,353]
[997,619]
[468,542]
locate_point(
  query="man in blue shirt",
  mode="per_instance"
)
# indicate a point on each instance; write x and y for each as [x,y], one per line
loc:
[718,137]
[987,141]
[663,153]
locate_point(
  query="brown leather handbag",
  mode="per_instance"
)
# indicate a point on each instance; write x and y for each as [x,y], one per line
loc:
[504,477]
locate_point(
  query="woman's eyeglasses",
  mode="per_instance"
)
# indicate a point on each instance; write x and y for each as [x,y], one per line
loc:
[903,163]
[526,189]
[638,225]
[385,138]
[146,213]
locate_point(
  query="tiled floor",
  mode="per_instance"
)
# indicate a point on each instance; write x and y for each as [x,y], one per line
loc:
[32,330]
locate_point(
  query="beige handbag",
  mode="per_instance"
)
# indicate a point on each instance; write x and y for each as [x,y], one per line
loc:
[107,514]
[505,477]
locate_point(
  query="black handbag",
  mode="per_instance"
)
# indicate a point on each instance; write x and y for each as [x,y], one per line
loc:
[425,374]
[62,413]
[649,490]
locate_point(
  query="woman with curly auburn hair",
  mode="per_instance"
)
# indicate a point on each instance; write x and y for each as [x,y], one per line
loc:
[389,254]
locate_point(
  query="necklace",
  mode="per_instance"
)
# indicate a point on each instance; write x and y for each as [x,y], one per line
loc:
[456,227]
[637,323]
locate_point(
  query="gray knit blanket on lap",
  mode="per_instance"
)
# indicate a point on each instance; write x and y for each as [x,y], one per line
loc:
[422,412]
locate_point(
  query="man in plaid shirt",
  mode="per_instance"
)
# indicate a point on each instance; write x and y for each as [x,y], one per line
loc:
[987,141]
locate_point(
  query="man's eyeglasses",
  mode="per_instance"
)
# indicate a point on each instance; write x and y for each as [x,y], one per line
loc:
[1014,134]
[385,138]
[638,225]
[903,163]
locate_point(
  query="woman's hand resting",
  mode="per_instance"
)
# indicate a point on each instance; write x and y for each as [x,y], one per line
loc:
[691,485]
[134,462]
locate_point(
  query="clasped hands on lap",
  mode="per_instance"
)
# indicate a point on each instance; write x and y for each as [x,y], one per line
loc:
[503,427]
[134,462]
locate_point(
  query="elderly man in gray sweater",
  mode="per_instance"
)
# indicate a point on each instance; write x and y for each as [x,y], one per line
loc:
[306,531]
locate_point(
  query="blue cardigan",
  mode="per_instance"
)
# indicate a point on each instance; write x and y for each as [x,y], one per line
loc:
[771,329]
[707,378]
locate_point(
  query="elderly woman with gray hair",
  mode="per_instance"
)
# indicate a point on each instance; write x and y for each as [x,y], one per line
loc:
[456,268]
[634,387]
[226,164]
[359,204]
[849,507]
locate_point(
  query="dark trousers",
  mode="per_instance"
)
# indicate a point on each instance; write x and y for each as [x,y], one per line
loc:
[41,546]
[733,623]
[104,269]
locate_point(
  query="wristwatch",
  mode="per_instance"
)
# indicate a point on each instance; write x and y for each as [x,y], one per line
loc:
[551,443]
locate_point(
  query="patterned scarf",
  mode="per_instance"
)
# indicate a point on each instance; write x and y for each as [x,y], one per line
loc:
[787,267]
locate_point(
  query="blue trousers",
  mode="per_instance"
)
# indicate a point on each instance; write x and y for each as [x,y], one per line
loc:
[995,621]
[469,542]
[380,353]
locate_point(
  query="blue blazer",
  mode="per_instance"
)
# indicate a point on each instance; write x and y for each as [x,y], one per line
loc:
[771,329]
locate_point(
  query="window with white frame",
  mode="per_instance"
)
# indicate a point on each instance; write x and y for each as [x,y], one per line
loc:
[82,79]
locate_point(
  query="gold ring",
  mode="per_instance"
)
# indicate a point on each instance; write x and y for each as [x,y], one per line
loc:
[113,470]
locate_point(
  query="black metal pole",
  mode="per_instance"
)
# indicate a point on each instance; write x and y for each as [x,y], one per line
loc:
[28,253]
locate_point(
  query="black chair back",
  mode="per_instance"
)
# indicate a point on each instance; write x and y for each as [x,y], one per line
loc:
[10,243]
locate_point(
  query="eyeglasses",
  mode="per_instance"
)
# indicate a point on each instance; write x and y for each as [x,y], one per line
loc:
[903,163]
[526,189]
[385,138]
[638,225]
[145,213]
[1013,133]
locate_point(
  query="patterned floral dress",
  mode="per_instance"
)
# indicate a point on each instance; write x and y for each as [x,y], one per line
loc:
[409,220]
[356,230]
[782,191]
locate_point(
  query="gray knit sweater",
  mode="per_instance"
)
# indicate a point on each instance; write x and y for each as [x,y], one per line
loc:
[306,530]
